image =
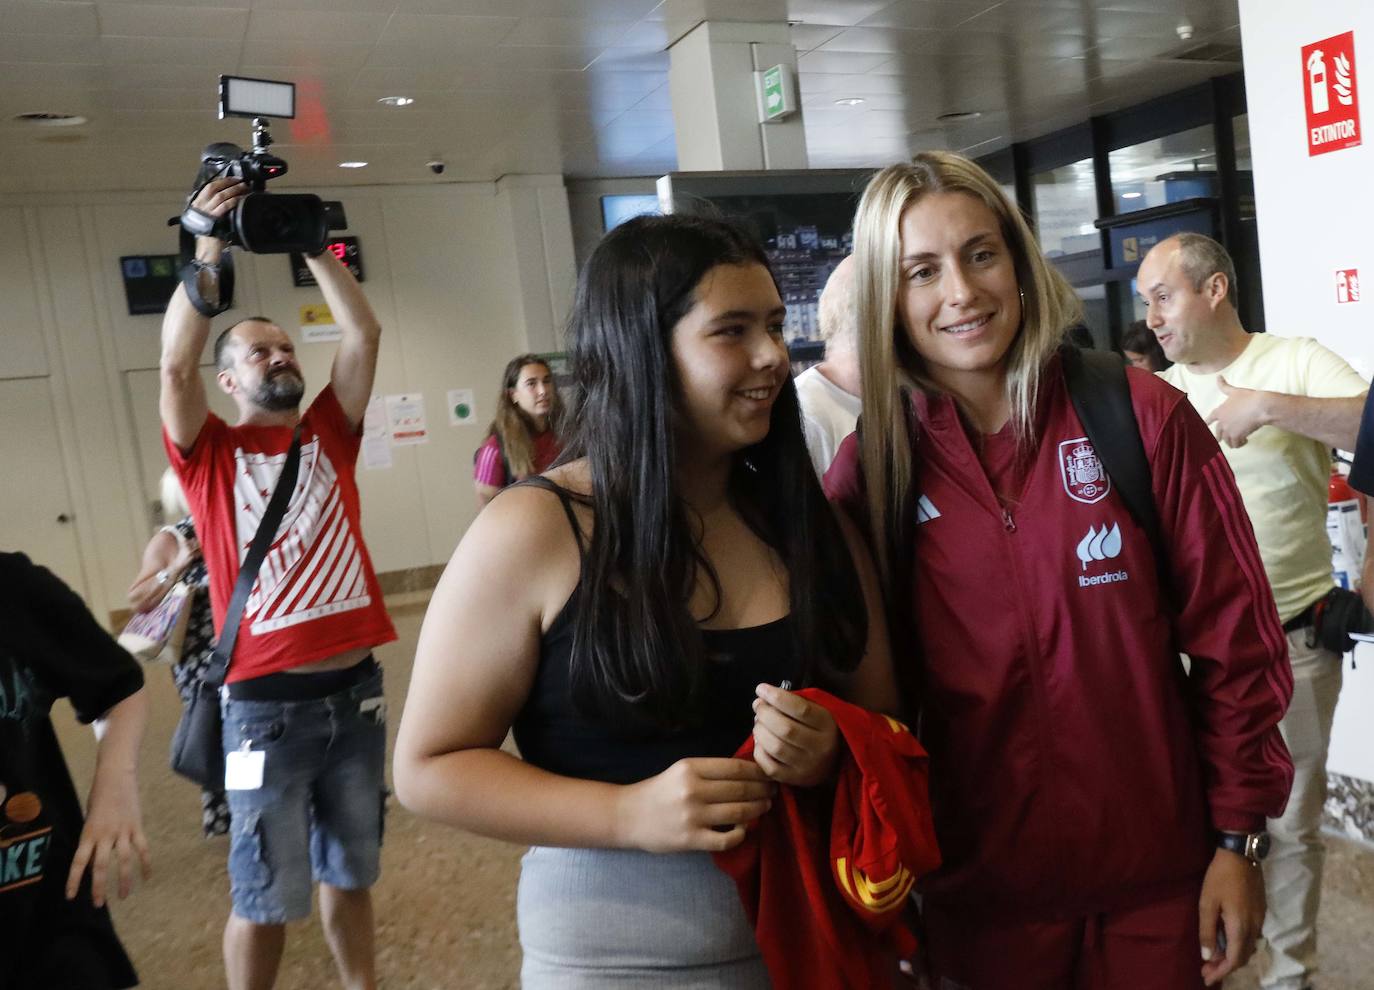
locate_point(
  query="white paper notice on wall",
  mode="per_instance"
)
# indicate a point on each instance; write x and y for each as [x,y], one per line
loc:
[405,418]
[376,437]
[462,408]
[317,324]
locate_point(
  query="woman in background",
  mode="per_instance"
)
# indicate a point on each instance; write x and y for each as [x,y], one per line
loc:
[1142,350]
[635,614]
[523,438]
[172,555]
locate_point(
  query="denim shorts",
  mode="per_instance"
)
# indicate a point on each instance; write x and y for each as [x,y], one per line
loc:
[321,801]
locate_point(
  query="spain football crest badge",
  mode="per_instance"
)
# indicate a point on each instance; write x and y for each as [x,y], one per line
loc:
[1085,479]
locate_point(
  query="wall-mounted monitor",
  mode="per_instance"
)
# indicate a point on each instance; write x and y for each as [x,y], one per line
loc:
[804,219]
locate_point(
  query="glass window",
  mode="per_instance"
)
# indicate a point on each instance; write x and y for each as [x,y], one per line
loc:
[1095,314]
[1165,170]
[1065,208]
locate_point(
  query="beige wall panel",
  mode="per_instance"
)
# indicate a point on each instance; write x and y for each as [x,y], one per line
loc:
[458,293]
[22,354]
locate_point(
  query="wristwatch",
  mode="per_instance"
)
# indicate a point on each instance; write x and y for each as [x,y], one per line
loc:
[1253,847]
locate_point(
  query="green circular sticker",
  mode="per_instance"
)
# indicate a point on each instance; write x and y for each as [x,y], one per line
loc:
[462,411]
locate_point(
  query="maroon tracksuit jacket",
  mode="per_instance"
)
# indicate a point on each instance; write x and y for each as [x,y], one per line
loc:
[1074,767]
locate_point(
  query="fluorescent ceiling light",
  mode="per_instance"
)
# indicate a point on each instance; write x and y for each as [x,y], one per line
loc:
[352,164]
[396,101]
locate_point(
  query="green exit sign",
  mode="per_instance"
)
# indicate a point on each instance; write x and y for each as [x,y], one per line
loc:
[777,93]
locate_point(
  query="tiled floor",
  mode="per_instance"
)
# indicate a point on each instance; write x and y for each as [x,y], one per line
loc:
[445,904]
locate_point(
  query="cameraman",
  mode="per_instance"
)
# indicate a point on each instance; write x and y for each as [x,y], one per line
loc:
[303,689]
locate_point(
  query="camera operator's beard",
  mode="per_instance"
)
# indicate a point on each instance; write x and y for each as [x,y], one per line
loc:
[280,391]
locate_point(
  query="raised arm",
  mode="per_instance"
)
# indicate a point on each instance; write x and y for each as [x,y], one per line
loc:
[355,362]
[182,401]
[474,667]
[165,556]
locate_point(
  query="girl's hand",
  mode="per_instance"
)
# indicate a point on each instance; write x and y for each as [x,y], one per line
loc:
[696,804]
[795,742]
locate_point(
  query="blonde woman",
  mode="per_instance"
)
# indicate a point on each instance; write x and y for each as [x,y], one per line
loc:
[1083,785]
[522,440]
[172,555]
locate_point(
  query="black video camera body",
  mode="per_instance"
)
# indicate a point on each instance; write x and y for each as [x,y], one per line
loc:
[261,222]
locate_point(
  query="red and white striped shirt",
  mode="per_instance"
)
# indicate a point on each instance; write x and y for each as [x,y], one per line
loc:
[316,594]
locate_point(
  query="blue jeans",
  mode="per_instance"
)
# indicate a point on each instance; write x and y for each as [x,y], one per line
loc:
[321,801]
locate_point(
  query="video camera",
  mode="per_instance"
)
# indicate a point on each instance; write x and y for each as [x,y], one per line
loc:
[261,222]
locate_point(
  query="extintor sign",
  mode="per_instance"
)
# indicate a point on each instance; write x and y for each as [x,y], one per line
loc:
[1331,94]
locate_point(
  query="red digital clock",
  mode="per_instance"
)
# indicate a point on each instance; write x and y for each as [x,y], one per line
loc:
[346,249]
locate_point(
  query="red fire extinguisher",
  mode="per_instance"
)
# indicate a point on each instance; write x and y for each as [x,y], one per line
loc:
[1345,528]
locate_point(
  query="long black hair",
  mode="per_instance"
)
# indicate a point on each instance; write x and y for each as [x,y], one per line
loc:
[637,650]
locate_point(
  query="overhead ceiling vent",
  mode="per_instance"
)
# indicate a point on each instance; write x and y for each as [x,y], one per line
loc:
[1209,51]
[48,119]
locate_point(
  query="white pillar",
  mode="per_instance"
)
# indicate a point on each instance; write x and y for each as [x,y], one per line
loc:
[715,107]
[1315,207]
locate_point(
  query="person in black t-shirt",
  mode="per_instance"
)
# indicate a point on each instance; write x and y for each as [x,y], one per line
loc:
[55,869]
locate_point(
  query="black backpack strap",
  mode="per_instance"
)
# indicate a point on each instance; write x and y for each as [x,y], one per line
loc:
[218,666]
[1101,397]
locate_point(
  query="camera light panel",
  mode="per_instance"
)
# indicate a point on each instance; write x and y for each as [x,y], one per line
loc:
[240,96]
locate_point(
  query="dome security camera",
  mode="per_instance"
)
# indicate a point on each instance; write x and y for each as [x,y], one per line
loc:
[436,166]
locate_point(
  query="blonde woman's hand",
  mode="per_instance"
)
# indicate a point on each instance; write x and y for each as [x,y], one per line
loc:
[699,803]
[795,741]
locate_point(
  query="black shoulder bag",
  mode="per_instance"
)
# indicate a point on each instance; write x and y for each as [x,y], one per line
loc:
[197,744]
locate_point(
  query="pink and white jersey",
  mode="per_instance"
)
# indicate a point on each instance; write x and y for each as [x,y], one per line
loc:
[316,594]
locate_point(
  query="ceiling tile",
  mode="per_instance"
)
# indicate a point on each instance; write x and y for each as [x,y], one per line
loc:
[59,49]
[566,31]
[846,13]
[448,31]
[808,36]
[882,41]
[927,14]
[313,25]
[305,53]
[159,21]
[843,62]
[169,51]
[59,19]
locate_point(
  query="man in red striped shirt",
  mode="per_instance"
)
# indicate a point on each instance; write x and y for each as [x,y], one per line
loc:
[304,714]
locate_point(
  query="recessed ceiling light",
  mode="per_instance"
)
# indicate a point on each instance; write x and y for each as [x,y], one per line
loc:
[396,101]
[1131,195]
[959,116]
[44,118]
[352,164]
[849,101]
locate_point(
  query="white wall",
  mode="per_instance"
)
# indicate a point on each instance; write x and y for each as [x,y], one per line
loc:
[462,276]
[1316,214]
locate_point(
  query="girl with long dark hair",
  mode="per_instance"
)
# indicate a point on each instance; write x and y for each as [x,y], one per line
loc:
[688,571]
[523,437]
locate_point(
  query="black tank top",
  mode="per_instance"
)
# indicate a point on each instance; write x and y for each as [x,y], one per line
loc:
[553,735]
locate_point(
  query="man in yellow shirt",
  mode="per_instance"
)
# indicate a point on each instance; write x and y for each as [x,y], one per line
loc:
[1277,404]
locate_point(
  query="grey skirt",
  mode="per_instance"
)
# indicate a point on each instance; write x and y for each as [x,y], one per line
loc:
[594,918]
